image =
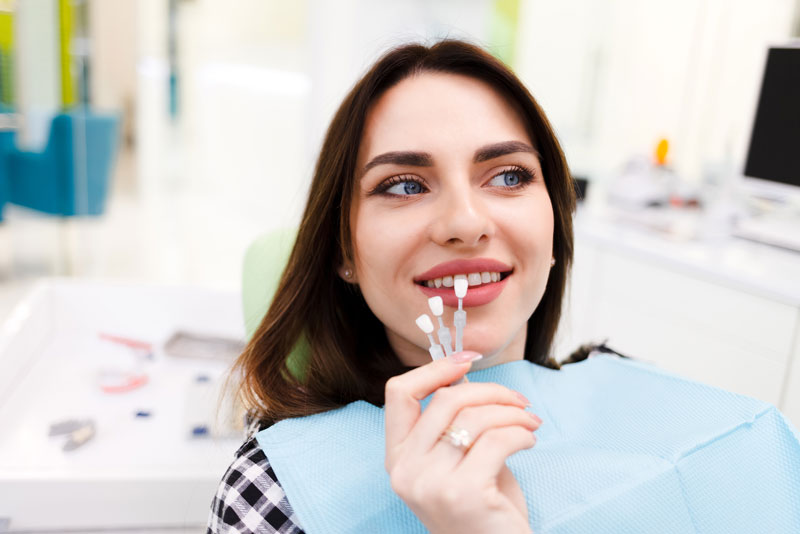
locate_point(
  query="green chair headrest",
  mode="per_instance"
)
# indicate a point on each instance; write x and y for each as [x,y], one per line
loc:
[264,262]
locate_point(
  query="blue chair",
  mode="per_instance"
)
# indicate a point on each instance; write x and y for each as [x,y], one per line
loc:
[71,176]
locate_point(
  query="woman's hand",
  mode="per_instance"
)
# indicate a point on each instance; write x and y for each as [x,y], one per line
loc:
[452,488]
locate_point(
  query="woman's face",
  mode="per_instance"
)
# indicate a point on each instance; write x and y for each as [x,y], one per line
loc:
[448,183]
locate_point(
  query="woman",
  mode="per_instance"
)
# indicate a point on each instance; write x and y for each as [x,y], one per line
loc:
[437,154]
[438,163]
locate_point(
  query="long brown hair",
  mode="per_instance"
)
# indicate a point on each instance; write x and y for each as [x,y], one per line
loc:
[348,354]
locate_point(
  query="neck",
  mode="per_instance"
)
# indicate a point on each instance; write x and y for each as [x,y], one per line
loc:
[512,351]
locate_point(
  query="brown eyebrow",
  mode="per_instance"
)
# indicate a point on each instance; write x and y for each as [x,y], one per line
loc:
[501,149]
[424,159]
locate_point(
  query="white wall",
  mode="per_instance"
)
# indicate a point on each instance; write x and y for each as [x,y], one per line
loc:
[616,76]
[260,81]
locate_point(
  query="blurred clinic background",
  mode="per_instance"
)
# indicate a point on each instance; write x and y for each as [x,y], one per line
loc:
[146,144]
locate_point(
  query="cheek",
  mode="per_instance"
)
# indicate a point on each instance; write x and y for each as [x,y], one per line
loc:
[529,225]
[529,230]
[385,247]
[385,244]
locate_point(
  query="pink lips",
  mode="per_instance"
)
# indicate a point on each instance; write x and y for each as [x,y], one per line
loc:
[476,295]
[477,265]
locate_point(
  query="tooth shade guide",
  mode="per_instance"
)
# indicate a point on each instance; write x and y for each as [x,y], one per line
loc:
[425,324]
[436,305]
[461,286]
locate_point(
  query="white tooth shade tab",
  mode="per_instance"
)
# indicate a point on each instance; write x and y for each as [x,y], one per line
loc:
[474,279]
[461,286]
[436,305]
[425,324]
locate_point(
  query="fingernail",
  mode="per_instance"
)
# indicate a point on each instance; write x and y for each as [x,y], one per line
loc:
[523,398]
[465,356]
[535,418]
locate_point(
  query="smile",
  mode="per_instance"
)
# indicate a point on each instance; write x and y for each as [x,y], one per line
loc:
[487,278]
[474,279]
[477,295]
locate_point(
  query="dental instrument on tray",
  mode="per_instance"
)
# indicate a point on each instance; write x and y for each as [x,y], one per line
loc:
[79,431]
[142,348]
[460,284]
[426,325]
[437,308]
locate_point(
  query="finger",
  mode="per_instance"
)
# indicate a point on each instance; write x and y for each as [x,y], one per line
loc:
[492,448]
[448,402]
[476,421]
[509,486]
[403,392]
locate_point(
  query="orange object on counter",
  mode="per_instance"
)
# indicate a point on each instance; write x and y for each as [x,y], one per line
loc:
[661,152]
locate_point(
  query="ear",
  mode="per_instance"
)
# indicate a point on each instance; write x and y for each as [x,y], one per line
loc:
[347,273]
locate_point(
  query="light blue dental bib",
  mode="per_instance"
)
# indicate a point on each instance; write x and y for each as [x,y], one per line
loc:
[624,447]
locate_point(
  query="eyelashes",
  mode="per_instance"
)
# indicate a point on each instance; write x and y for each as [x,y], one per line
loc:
[389,183]
[524,176]
[415,185]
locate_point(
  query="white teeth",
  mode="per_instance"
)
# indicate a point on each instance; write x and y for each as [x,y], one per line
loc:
[474,279]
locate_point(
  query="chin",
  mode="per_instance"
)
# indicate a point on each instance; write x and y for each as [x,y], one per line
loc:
[489,350]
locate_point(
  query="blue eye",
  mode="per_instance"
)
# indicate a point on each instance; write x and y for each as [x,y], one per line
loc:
[512,178]
[400,186]
[405,188]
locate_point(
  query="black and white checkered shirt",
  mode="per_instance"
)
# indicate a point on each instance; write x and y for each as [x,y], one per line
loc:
[250,500]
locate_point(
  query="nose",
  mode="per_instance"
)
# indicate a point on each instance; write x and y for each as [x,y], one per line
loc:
[461,219]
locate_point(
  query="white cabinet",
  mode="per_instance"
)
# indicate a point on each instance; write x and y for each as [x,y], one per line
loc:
[791,391]
[725,313]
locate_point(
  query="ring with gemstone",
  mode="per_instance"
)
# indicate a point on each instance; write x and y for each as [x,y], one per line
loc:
[459,437]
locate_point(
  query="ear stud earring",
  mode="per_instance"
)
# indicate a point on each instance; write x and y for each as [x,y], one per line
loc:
[348,274]
[552,262]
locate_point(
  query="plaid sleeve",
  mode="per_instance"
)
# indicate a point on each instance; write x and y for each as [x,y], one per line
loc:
[250,500]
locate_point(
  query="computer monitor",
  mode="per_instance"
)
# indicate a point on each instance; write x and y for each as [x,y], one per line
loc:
[772,165]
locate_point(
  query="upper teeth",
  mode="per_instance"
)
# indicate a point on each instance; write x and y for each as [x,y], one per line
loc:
[475,279]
